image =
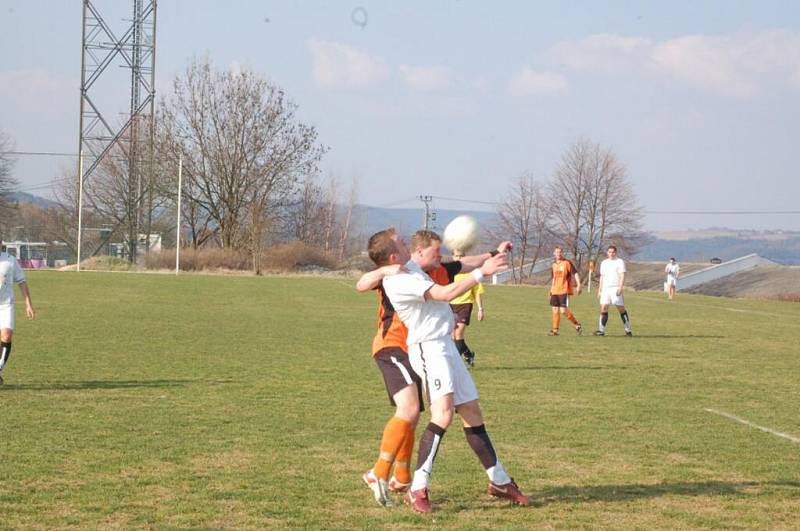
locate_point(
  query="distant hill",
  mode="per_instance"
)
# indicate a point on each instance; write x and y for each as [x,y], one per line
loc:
[686,245]
[700,246]
[30,199]
[407,220]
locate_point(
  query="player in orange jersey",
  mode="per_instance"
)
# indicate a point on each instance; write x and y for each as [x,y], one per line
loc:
[564,276]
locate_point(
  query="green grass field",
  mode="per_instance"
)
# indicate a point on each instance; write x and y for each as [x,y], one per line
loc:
[221,402]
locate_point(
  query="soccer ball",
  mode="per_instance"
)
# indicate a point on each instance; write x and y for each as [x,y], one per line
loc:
[461,234]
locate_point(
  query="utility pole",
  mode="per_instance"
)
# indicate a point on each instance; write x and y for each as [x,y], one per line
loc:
[427,200]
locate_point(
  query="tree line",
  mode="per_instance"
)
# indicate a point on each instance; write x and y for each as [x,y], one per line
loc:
[251,179]
[250,175]
[586,205]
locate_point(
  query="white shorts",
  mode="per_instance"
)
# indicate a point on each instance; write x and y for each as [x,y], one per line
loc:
[439,365]
[609,296]
[7,316]
[672,281]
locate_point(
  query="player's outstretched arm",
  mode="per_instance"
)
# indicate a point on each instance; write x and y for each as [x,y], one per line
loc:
[470,263]
[23,287]
[451,291]
[577,283]
[372,280]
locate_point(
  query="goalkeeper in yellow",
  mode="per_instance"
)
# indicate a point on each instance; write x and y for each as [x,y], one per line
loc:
[462,311]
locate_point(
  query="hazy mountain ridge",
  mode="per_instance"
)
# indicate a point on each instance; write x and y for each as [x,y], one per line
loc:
[697,245]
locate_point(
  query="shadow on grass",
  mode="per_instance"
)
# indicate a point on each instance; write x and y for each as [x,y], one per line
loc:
[663,336]
[103,384]
[555,368]
[614,493]
[611,493]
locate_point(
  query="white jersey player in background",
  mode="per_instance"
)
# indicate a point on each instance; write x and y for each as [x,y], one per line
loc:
[673,270]
[612,282]
[10,273]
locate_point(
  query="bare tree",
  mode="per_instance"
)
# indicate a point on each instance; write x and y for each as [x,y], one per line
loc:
[330,211]
[568,191]
[7,182]
[594,203]
[130,202]
[524,216]
[346,228]
[60,221]
[244,152]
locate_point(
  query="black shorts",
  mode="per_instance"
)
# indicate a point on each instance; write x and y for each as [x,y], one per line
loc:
[559,301]
[397,372]
[462,312]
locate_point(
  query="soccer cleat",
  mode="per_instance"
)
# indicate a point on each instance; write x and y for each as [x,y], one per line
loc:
[509,491]
[579,330]
[1,379]
[469,357]
[418,500]
[599,333]
[396,486]
[378,487]
[552,332]
[628,333]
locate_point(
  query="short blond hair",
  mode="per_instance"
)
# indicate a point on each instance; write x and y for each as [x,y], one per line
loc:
[424,238]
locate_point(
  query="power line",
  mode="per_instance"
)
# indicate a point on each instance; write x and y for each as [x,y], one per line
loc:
[39,153]
[493,203]
[722,212]
[672,212]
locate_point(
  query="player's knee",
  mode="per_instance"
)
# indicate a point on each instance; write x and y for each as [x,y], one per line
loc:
[442,416]
[6,334]
[471,413]
[408,411]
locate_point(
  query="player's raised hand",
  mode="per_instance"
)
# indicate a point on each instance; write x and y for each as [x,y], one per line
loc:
[504,247]
[495,264]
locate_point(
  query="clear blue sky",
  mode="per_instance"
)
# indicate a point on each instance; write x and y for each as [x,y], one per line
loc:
[457,98]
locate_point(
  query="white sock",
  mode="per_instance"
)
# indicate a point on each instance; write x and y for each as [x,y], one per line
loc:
[497,474]
[421,480]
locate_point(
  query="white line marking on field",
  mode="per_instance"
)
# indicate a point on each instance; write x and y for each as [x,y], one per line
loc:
[700,304]
[756,426]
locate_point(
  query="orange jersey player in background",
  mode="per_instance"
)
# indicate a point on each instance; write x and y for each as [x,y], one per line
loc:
[564,275]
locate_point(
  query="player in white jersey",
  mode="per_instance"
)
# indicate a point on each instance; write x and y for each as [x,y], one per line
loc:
[612,282]
[422,305]
[673,270]
[10,273]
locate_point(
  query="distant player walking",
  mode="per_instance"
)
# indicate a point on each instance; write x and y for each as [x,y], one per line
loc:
[564,275]
[10,273]
[462,309]
[612,283]
[673,270]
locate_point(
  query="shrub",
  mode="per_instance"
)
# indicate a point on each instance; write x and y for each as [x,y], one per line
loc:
[293,256]
[108,263]
[202,259]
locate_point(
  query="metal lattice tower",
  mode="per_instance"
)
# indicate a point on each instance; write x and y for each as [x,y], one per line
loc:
[99,140]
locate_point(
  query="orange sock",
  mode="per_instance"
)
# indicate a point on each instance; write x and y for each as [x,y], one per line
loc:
[393,436]
[571,317]
[401,462]
[556,321]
